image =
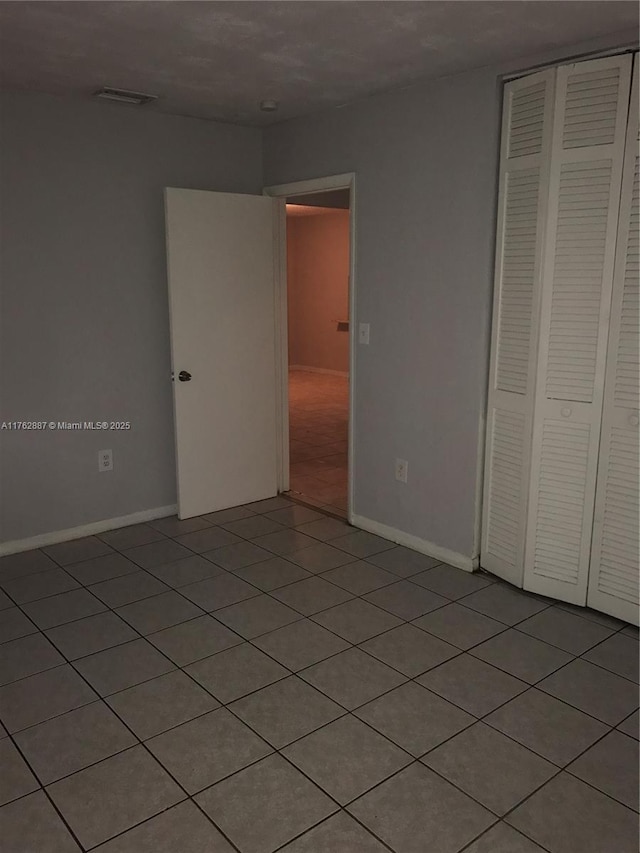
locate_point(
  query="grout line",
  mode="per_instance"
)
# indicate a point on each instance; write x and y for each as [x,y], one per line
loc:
[352,644]
[566,769]
[278,751]
[489,828]
[231,711]
[210,819]
[330,817]
[209,613]
[49,595]
[138,739]
[297,674]
[40,788]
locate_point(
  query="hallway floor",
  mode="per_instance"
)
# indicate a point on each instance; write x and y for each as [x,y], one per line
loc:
[318,432]
[267,678]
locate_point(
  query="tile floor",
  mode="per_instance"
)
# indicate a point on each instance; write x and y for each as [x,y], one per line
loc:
[318,430]
[267,678]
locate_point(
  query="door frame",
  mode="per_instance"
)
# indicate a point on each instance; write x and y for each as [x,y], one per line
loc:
[282,191]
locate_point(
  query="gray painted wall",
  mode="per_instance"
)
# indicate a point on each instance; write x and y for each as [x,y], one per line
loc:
[84,300]
[84,312]
[426,161]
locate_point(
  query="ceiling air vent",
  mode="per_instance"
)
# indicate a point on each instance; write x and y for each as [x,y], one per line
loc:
[123,96]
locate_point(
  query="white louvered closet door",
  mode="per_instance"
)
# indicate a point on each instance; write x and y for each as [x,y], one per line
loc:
[614,573]
[525,146]
[590,121]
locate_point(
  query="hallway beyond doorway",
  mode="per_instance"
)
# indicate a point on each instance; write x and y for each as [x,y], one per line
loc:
[318,431]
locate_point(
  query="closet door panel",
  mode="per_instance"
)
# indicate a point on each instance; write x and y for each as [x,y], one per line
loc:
[614,572]
[579,250]
[526,139]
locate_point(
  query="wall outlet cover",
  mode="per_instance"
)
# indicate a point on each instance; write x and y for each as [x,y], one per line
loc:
[105,460]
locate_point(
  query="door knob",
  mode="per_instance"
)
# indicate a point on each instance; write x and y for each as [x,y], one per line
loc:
[184,376]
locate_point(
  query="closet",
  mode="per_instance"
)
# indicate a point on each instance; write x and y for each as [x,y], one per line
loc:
[562,458]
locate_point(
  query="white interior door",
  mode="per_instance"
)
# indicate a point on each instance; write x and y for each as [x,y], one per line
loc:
[614,575]
[220,258]
[590,122]
[522,201]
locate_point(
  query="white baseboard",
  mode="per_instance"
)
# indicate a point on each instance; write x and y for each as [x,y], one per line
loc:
[44,539]
[453,558]
[318,370]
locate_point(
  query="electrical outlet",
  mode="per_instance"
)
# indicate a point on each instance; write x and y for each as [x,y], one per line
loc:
[402,467]
[105,460]
[363,333]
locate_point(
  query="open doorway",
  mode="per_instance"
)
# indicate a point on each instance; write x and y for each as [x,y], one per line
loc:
[318,354]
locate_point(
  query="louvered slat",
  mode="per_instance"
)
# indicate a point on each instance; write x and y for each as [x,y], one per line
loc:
[527,120]
[620,543]
[584,194]
[505,490]
[517,281]
[591,113]
[562,480]
[627,377]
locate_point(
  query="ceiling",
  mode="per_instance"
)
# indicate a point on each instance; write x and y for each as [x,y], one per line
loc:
[217,60]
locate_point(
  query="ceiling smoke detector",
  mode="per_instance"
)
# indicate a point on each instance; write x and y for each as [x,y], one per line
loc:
[123,96]
[268,105]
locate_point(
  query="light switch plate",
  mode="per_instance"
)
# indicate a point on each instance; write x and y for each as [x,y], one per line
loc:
[402,470]
[363,333]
